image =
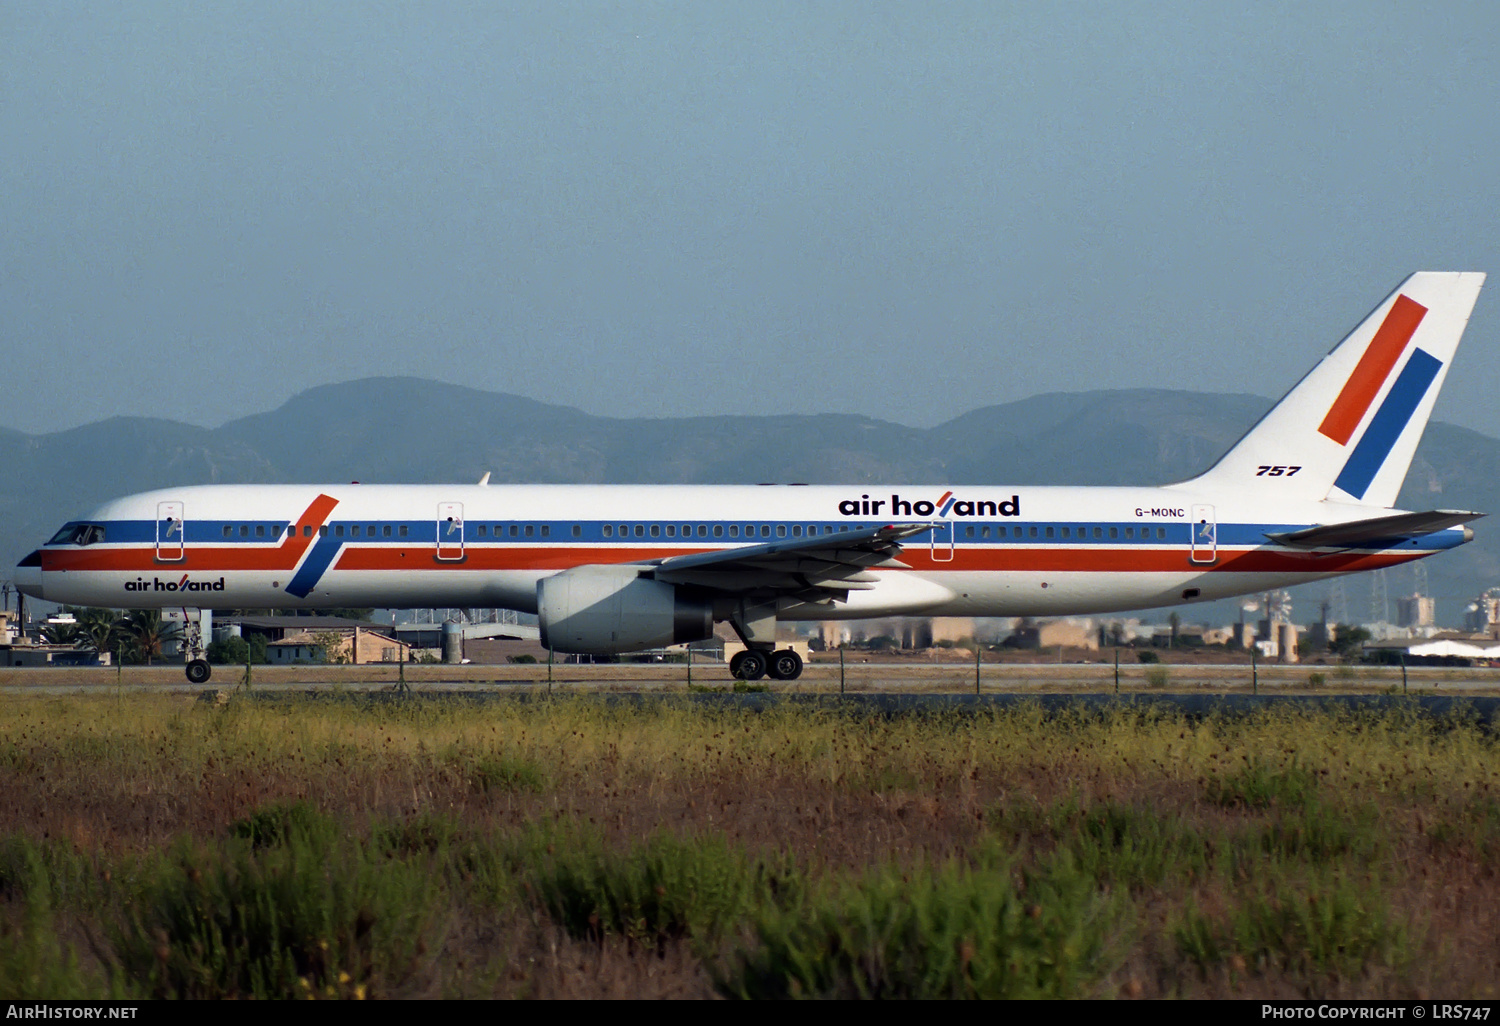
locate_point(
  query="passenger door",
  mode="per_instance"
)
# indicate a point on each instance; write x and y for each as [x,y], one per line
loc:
[450,531]
[170,528]
[1205,548]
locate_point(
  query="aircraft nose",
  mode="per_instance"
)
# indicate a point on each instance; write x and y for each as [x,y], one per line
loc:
[28,575]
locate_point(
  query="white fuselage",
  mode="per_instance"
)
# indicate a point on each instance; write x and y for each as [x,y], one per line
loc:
[992,551]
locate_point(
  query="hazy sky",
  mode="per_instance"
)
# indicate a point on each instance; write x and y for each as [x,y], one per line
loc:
[905,210]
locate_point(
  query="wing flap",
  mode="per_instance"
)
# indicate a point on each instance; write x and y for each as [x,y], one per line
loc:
[838,562]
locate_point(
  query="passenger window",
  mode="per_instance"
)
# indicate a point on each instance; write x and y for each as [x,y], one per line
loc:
[796,530]
[1064,532]
[530,531]
[307,530]
[671,530]
[1129,533]
[718,530]
[577,530]
[1098,532]
[780,531]
[228,530]
[812,530]
[385,532]
[640,530]
[687,530]
[609,530]
[244,530]
[734,530]
[656,530]
[1032,531]
[371,531]
[984,532]
[624,530]
[702,530]
[765,530]
[337,531]
[546,530]
[1114,532]
[1161,534]
[403,531]
[323,531]
[1049,532]
[483,530]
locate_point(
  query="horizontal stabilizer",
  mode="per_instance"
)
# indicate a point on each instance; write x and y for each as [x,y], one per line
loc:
[1399,528]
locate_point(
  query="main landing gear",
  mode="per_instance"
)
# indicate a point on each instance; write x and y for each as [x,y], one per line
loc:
[753,664]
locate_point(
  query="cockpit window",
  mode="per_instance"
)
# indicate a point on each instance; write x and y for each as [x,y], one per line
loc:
[78,534]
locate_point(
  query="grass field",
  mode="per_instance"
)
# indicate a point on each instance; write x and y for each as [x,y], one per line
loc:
[152,845]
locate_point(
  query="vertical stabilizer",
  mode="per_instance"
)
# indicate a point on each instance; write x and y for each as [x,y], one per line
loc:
[1348,430]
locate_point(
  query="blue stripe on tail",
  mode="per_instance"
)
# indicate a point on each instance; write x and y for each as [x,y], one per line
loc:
[1388,423]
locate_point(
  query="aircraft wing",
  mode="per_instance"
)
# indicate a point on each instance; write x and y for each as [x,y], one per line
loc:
[1394,530]
[816,568]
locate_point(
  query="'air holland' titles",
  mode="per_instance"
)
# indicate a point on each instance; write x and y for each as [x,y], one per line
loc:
[157,584]
[864,506]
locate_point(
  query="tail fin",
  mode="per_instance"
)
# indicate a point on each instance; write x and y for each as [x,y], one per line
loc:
[1348,430]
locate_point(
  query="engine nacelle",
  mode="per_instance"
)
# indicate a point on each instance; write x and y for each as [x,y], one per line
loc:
[601,610]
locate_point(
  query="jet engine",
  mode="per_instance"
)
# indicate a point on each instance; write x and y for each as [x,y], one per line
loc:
[601,610]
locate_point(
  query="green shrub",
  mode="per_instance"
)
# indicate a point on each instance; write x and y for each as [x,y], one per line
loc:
[944,933]
[1157,677]
[1258,786]
[1341,928]
[298,913]
[1132,846]
[663,889]
[498,772]
[279,824]
[1146,655]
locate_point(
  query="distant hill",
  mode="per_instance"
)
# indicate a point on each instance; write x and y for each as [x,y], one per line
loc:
[408,429]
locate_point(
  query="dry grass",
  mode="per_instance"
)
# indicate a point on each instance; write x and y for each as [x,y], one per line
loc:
[1287,854]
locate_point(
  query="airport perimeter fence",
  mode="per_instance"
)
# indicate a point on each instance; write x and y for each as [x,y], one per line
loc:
[824,675]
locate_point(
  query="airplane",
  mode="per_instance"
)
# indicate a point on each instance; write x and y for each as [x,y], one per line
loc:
[1306,494]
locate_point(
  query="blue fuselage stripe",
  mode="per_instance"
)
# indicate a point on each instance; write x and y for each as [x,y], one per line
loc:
[311,571]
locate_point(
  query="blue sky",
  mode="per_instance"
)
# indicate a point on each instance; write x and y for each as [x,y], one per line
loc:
[902,210]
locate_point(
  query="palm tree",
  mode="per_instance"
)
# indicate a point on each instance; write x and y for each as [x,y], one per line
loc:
[100,627]
[147,632]
[61,634]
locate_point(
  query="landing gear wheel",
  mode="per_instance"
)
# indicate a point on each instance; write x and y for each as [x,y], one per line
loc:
[785,665]
[748,665]
[198,671]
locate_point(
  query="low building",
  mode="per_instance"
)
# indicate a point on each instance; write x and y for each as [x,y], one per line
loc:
[1052,633]
[351,645]
[1471,647]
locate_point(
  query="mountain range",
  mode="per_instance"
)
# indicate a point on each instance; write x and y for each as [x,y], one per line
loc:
[412,430]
